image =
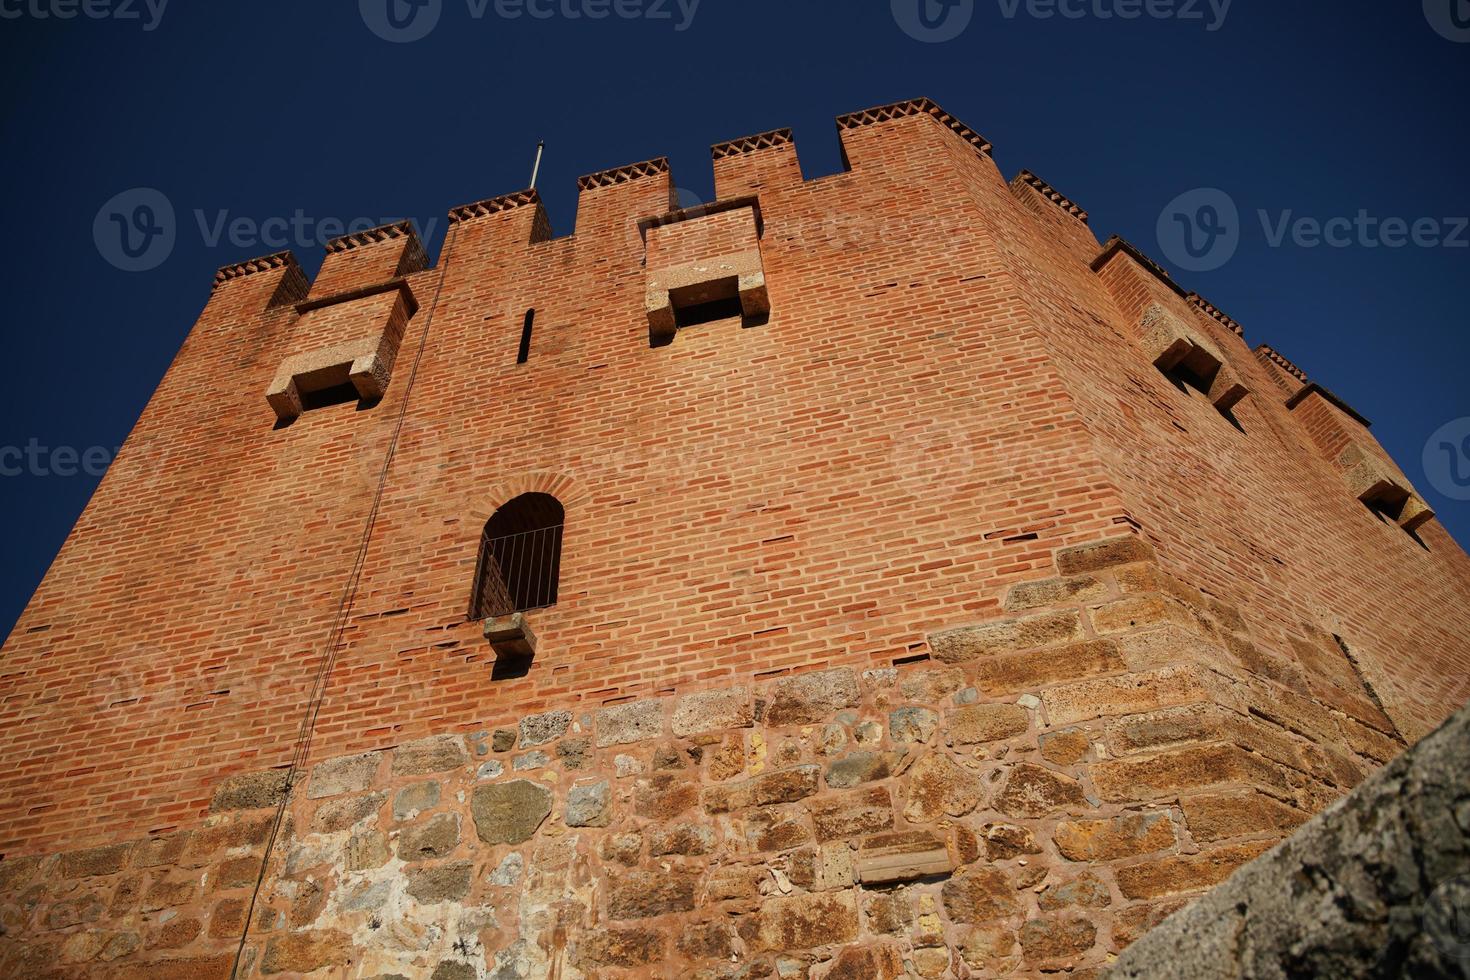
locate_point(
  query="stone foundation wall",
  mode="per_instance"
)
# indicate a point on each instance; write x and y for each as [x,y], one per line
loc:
[1031,796]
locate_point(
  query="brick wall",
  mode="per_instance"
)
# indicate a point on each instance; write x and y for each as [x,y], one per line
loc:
[945,397]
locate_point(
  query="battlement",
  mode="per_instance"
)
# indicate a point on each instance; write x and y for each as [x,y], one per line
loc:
[1270,353]
[1213,311]
[1052,194]
[622,175]
[749,144]
[915,107]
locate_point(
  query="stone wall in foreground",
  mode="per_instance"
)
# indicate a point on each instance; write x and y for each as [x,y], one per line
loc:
[1030,796]
[1378,885]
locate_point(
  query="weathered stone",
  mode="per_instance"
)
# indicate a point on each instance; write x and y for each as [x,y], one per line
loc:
[888,912]
[1065,748]
[882,961]
[1181,874]
[351,774]
[214,967]
[635,721]
[777,829]
[735,883]
[339,814]
[1126,695]
[435,838]
[1224,815]
[807,699]
[1098,555]
[709,711]
[440,882]
[1128,835]
[623,848]
[543,728]
[589,805]
[987,723]
[664,796]
[989,947]
[852,814]
[620,947]
[169,892]
[932,685]
[228,918]
[931,962]
[93,861]
[1013,672]
[938,787]
[366,850]
[708,941]
[413,800]
[639,894]
[1034,791]
[1054,592]
[1126,780]
[575,753]
[303,952]
[1055,938]
[82,910]
[783,786]
[979,895]
[453,970]
[503,740]
[509,813]
[1006,636]
[157,851]
[862,767]
[438,754]
[308,904]
[688,839]
[529,761]
[1085,891]
[913,725]
[728,760]
[250,791]
[807,921]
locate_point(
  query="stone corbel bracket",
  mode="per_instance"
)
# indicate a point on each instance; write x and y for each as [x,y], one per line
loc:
[1170,344]
[511,636]
[1373,483]
[366,361]
[703,255]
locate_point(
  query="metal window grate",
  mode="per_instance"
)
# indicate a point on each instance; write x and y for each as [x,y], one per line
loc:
[518,572]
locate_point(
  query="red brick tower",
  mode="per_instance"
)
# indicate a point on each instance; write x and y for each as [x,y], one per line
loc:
[853,577]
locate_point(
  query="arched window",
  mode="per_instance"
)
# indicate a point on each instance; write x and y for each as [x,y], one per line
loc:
[520,557]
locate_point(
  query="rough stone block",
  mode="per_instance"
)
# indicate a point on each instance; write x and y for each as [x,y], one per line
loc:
[1128,780]
[807,699]
[807,921]
[987,723]
[435,838]
[431,755]
[1220,816]
[709,711]
[305,952]
[1109,839]
[639,894]
[351,774]
[980,895]
[1099,555]
[852,814]
[620,948]
[250,791]
[1173,875]
[439,883]
[1034,791]
[624,724]
[971,643]
[938,787]
[589,805]
[543,728]
[509,813]
[1015,672]
[1054,592]
[862,767]
[1126,695]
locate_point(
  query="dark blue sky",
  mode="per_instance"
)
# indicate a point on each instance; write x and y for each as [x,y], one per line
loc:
[1313,110]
